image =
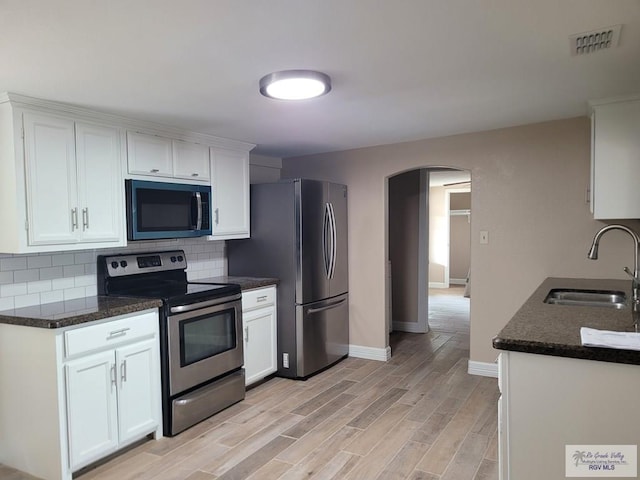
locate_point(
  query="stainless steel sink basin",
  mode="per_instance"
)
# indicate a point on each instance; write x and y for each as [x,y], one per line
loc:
[587,298]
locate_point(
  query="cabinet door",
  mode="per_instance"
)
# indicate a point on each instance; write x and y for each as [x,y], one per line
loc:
[100,184]
[190,160]
[616,160]
[50,160]
[138,391]
[230,185]
[91,408]
[149,155]
[260,352]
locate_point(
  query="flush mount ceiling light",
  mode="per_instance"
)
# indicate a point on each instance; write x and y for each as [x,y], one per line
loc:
[295,84]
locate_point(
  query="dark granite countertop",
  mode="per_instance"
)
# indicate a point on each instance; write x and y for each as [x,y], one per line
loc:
[246,283]
[547,329]
[75,312]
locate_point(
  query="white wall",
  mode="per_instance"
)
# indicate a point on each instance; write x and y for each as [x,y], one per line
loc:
[27,280]
[264,169]
[529,189]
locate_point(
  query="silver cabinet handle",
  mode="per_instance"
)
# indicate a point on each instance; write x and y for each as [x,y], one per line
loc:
[154,170]
[246,334]
[195,175]
[112,372]
[74,218]
[85,218]
[123,372]
[217,216]
[261,298]
[118,333]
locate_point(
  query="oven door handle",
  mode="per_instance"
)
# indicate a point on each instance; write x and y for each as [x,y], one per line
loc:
[196,306]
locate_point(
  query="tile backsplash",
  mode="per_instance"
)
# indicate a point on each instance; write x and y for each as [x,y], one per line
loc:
[27,280]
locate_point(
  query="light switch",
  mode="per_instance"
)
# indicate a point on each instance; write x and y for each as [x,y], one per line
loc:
[484,237]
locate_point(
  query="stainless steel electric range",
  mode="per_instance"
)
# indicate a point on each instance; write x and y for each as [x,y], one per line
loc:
[201,350]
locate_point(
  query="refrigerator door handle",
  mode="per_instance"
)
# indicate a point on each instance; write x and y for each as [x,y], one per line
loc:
[326,307]
[334,241]
[326,248]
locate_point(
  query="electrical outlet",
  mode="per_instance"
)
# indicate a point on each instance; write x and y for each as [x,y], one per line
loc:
[285,360]
[484,237]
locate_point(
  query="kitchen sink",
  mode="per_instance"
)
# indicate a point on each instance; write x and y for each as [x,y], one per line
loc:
[587,298]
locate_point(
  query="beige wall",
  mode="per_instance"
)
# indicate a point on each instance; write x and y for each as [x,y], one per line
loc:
[404,224]
[264,169]
[528,192]
[459,247]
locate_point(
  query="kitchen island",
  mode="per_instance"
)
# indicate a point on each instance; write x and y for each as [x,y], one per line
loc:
[558,393]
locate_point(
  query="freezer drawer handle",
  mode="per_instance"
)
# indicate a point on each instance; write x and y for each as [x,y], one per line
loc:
[326,307]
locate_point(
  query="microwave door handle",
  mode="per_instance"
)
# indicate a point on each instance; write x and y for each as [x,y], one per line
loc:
[199,203]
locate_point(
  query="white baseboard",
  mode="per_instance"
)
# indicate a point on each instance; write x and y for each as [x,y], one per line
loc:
[458,281]
[370,353]
[437,285]
[411,327]
[484,369]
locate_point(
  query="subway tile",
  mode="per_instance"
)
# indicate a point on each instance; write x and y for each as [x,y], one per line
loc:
[6,277]
[84,257]
[72,270]
[13,263]
[38,261]
[62,259]
[84,280]
[90,268]
[91,291]
[62,283]
[21,276]
[50,273]
[52,296]
[39,286]
[26,300]
[72,293]
[6,303]
[13,289]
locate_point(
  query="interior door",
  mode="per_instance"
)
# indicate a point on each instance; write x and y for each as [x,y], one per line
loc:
[339,282]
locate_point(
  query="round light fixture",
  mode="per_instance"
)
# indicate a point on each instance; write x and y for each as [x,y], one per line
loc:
[295,84]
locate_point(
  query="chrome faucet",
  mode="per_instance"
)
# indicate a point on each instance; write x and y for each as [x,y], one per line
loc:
[593,255]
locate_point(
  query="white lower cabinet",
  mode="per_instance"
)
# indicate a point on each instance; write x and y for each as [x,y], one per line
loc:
[69,397]
[111,400]
[260,333]
[549,402]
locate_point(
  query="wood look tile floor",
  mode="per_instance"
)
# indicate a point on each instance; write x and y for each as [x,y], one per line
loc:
[419,416]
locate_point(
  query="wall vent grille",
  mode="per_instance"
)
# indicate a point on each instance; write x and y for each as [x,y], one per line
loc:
[590,42]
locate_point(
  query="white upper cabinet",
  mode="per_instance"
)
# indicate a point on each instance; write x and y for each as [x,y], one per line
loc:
[157,156]
[73,181]
[615,159]
[230,193]
[190,160]
[149,155]
[62,172]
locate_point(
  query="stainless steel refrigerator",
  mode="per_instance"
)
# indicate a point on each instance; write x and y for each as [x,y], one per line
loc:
[299,235]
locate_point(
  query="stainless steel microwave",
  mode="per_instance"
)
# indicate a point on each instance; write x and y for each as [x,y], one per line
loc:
[167,210]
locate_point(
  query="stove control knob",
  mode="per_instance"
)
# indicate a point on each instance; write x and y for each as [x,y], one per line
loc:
[180,258]
[123,263]
[114,264]
[173,259]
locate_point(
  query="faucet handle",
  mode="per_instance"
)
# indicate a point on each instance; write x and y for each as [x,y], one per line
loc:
[636,280]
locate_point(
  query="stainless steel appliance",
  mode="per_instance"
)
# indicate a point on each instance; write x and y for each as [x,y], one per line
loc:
[167,210]
[299,235]
[201,350]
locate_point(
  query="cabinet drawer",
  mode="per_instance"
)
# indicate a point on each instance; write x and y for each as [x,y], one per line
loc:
[109,334]
[258,298]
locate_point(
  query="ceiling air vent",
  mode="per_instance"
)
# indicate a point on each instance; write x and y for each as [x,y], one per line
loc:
[589,42]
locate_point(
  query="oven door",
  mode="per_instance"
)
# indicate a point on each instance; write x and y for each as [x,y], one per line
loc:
[204,343]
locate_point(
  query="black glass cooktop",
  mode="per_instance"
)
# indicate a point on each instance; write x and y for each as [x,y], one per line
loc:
[179,291]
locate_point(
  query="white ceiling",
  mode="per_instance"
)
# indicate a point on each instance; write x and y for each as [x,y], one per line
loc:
[401,70]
